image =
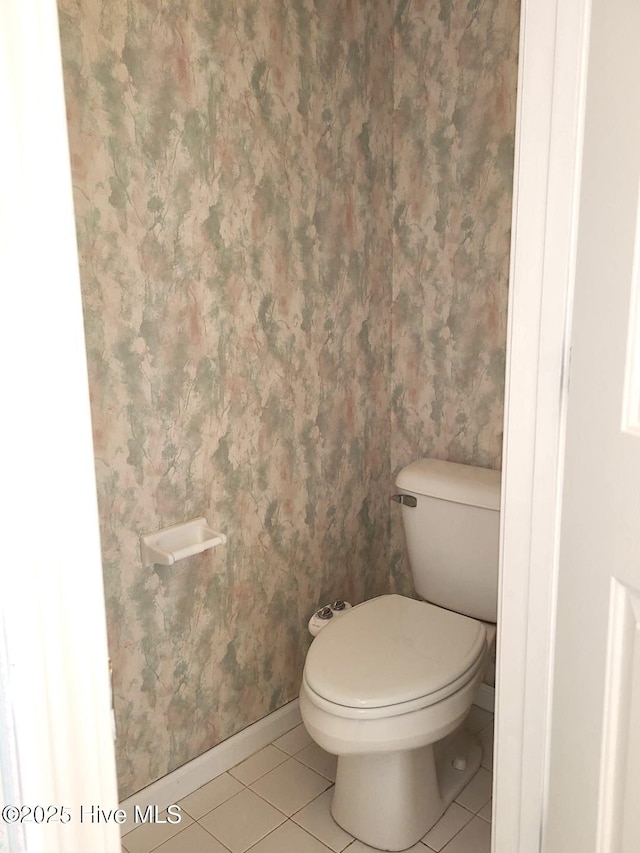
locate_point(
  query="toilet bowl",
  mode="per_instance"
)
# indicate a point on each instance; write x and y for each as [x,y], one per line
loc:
[380,687]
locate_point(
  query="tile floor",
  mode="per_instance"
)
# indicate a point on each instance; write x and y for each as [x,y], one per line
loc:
[277,801]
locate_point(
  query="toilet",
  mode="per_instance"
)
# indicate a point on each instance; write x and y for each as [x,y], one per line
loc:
[387,686]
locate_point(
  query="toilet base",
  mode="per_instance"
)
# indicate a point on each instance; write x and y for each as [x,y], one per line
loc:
[390,800]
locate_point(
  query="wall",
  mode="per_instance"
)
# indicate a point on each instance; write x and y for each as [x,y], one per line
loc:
[245,261]
[455,72]
[231,164]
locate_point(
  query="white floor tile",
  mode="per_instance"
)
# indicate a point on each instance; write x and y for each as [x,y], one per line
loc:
[477,719]
[486,739]
[136,815]
[129,825]
[294,741]
[449,825]
[289,838]
[258,764]
[478,792]
[359,847]
[317,759]
[486,812]
[253,819]
[194,839]
[211,795]
[475,837]
[316,819]
[290,786]
[242,821]
[147,837]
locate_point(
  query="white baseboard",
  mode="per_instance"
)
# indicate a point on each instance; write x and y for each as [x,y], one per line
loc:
[191,776]
[486,698]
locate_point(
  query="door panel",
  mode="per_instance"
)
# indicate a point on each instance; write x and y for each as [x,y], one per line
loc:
[619,817]
[594,783]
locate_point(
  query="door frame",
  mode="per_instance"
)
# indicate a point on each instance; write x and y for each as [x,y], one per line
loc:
[549,134]
[551,83]
[55,715]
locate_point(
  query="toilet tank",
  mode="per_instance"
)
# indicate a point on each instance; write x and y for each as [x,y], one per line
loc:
[452,534]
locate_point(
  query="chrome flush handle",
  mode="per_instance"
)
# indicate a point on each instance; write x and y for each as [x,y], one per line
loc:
[405,500]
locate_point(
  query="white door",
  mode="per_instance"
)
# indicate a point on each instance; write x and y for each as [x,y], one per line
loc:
[56,748]
[594,771]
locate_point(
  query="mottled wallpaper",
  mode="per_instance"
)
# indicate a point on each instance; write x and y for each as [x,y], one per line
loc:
[293,225]
[455,72]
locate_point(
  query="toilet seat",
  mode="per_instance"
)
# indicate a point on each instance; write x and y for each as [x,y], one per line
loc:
[392,655]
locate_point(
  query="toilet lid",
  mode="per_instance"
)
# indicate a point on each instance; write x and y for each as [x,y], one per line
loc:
[391,650]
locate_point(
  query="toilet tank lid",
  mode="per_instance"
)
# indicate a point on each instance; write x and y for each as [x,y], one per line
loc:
[451,481]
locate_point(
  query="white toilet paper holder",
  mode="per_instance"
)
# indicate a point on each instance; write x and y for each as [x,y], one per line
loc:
[170,544]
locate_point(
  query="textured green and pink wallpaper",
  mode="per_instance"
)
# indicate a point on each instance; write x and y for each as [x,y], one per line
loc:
[455,74]
[293,224]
